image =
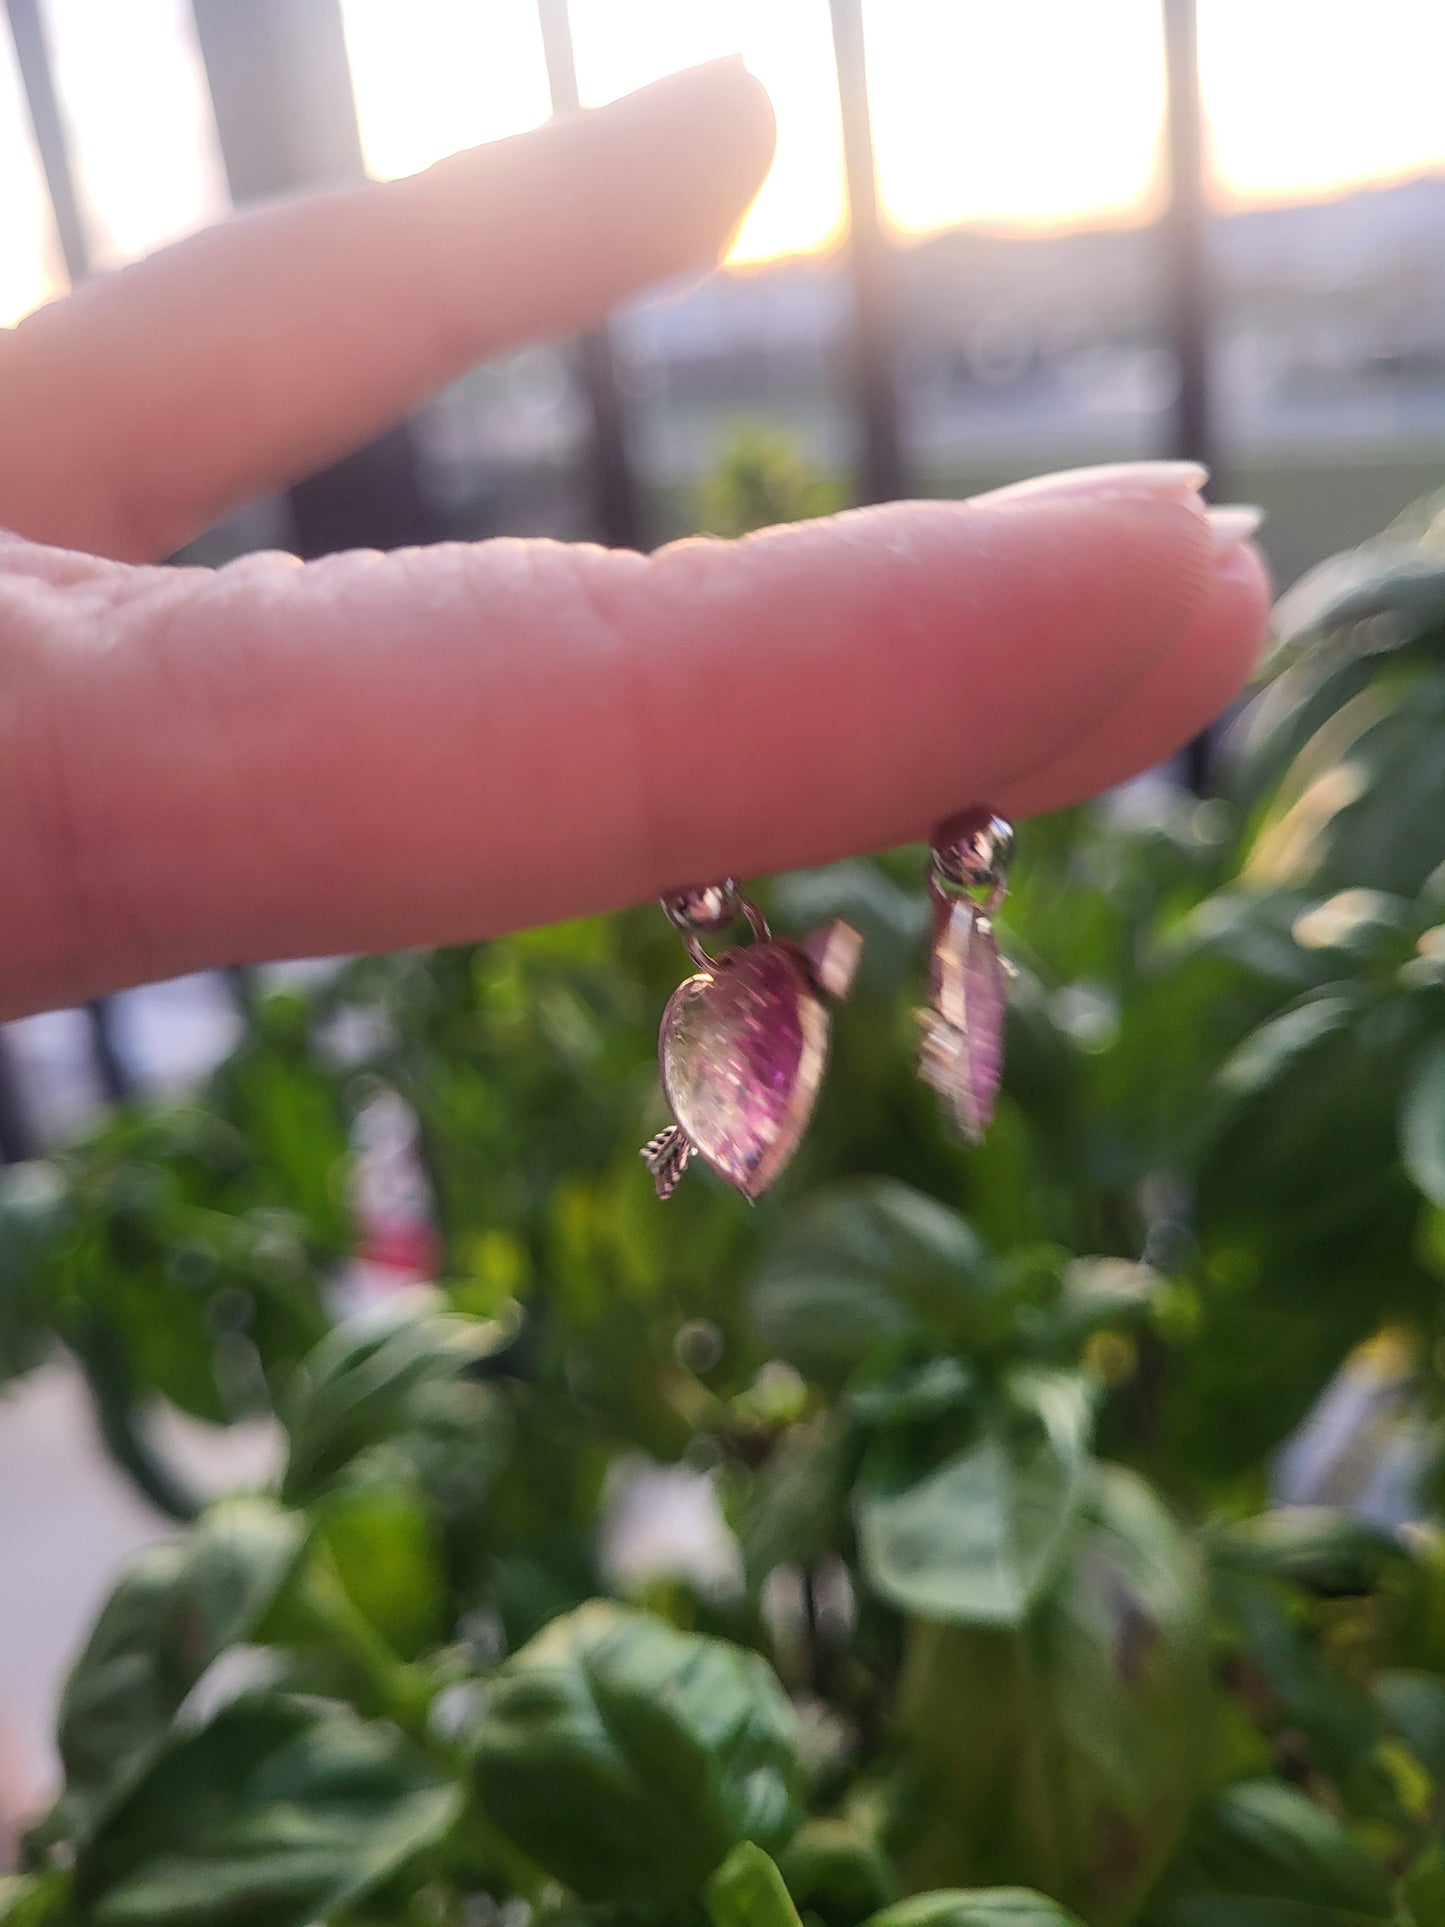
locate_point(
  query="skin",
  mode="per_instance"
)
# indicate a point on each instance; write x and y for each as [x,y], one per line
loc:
[365,752]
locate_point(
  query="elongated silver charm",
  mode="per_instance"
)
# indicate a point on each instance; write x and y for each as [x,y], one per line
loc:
[744,1043]
[961,1054]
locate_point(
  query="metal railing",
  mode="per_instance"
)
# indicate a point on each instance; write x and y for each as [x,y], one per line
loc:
[277,136]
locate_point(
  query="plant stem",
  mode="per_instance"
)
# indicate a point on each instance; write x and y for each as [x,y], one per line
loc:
[121,1424]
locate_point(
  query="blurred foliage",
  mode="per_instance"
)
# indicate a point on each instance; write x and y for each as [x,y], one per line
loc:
[760,481]
[1005,1630]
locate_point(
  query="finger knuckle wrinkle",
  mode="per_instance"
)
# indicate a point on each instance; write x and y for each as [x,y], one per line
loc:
[56,641]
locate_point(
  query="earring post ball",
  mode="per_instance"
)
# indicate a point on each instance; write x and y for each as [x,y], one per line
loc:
[706,909]
[972,848]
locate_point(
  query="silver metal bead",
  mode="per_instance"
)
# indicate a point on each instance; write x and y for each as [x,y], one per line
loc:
[972,849]
[705,909]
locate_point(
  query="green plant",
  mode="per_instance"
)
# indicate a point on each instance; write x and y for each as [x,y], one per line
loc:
[1014,1634]
[761,480]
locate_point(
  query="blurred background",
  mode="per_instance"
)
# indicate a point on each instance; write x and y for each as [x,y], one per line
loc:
[997,239]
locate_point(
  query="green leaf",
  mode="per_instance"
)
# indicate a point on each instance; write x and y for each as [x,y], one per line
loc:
[1394,575]
[177,1608]
[1359,804]
[275,1090]
[386,1555]
[627,1759]
[1256,929]
[1414,1703]
[857,1268]
[362,1386]
[35,1900]
[1306,1226]
[1302,1137]
[1422,1124]
[894,1394]
[277,1814]
[1099,1295]
[1321,1547]
[971,1537]
[795,1509]
[1421,1893]
[976,1907]
[1291,1038]
[172,1277]
[1069,1751]
[1262,1855]
[759,479]
[748,1891]
[1295,1685]
[33,1212]
[837,1867]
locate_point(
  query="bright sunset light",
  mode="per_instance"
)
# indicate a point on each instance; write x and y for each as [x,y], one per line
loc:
[1030,113]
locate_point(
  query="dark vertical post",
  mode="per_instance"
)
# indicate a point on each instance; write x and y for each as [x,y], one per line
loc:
[241,981]
[17,1138]
[111,1069]
[1186,271]
[870,258]
[280,85]
[281,89]
[33,59]
[616,513]
[1184,235]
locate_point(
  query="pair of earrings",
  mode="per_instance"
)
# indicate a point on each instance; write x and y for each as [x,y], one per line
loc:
[744,1042]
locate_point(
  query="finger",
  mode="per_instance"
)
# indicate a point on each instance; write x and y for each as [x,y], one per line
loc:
[372,751]
[1178,697]
[149,402]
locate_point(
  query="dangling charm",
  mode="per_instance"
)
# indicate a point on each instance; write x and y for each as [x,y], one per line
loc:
[962,1051]
[743,1044]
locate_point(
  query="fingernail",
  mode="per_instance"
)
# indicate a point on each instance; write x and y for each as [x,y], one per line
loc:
[1117,478]
[1232,524]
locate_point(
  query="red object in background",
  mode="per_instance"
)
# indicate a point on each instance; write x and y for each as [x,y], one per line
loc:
[406,1246]
[392,1197]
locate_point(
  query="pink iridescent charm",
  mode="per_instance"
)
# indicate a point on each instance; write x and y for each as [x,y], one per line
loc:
[961,1056]
[744,1043]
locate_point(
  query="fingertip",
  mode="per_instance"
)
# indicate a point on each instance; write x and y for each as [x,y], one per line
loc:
[755,140]
[725,122]
[690,150]
[873,668]
[1185,691]
[1217,655]
[729,95]
[265,347]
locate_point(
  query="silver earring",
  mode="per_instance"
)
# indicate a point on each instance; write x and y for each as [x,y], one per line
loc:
[961,1055]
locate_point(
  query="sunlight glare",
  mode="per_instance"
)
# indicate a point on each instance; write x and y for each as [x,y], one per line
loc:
[789,48]
[138,119]
[1304,97]
[435,76]
[31,270]
[1041,113]
[1038,113]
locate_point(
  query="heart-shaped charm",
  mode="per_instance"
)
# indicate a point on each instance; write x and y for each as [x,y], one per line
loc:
[742,1048]
[742,1051]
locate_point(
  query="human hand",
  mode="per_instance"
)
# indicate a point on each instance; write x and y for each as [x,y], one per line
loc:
[272,759]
